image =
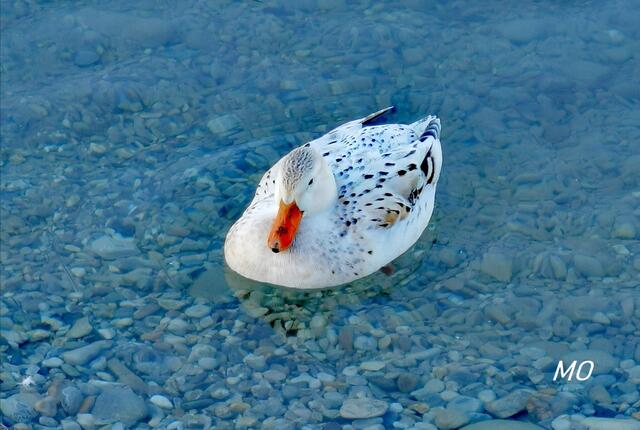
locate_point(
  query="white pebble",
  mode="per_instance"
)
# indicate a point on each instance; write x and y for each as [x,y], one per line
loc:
[161,401]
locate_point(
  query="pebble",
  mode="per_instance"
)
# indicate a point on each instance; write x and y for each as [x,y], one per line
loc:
[588,266]
[256,362]
[447,419]
[594,423]
[161,401]
[509,405]
[356,409]
[119,404]
[52,362]
[19,408]
[82,355]
[78,272]
[86,421]
[207,363]
[80,328]
[197,311]
[85,58]
[407,382]
[624,228]
[365,343]
[47,406]
[497,265]
[111,248]
[372,366]
[70,425]
[502,425]
[318,324]
[71,399]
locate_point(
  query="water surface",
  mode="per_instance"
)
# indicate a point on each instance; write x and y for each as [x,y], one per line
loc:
[134,133]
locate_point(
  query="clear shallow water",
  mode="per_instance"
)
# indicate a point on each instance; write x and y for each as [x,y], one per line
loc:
[133,136]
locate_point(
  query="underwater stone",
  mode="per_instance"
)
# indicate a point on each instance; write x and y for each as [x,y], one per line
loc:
[502,425]
[19,408]
[596,423]
[80,328]
[497,265]
[356,409]
[588,266]
[85,57]
[80,356]
[509,405]
[71,399]
[447,419]
[111,248]
[120,404]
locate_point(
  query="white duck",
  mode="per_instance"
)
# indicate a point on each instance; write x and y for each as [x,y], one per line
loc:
[339,207]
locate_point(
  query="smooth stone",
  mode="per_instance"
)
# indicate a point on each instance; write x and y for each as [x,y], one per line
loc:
[318,324]
[97,148]
[224,124]
[562,326]
[501,425]
[178,326]
[52,362]
[273,375]
[602,360]
[522,30]
[509,405]
[78,272]
[70,425]
[86,421]
[161,401]
[19,408]
[624,228]
[365,343]
[595,423]
[345,338]
[588,266]
[85,57]
[448,419]
[372,366]
[80,328]
[599,394]
[197,311]
[356,409]
[47,406]
[71,399]
[407,382]
[497,265]
[256,362]
[82,355]
[207,363]
[111,248]
[120,404]
[563,422]
[465,404]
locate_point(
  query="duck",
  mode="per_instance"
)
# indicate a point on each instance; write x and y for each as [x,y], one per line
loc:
[340,207]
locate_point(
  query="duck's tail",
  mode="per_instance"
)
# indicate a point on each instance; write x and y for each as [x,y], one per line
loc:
[425,127]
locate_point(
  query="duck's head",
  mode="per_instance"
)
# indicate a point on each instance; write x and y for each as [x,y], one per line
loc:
[304,186]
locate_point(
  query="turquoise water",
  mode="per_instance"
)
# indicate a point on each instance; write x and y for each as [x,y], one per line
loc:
[133,135]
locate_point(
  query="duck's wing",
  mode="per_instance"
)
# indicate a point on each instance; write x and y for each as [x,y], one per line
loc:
[387,173]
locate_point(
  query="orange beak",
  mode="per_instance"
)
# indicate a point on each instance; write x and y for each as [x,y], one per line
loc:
[284,227]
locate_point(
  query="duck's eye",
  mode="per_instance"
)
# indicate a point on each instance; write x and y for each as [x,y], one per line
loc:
[311,181]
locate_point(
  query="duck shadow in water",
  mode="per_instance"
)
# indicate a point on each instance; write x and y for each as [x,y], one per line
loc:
[289,310]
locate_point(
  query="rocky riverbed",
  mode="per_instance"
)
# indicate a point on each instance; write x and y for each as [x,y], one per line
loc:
[133,136]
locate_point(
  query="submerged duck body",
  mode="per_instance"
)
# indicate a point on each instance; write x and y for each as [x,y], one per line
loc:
[339,207]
